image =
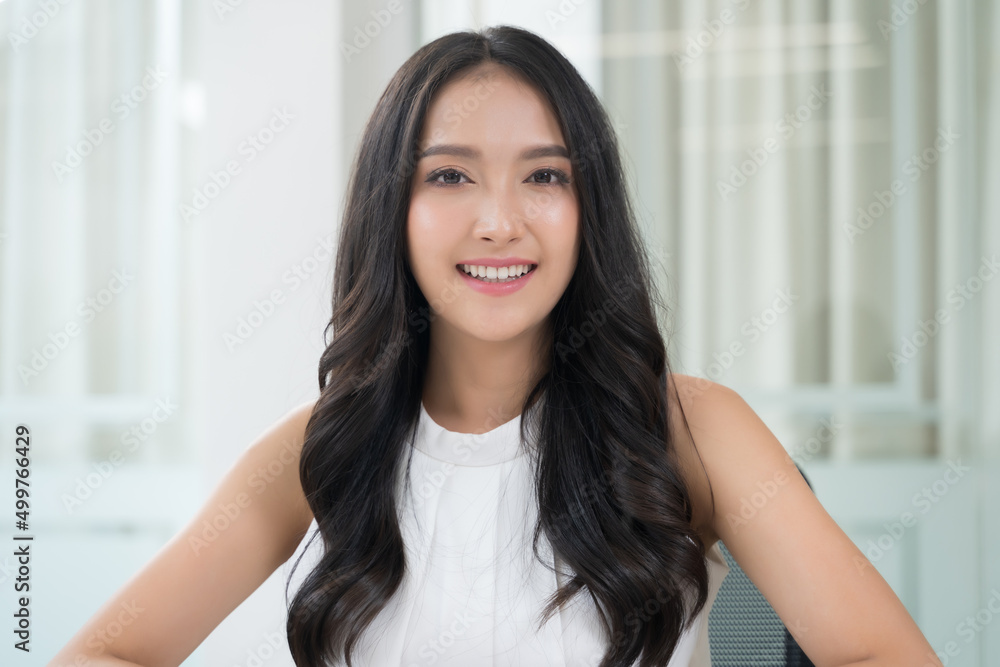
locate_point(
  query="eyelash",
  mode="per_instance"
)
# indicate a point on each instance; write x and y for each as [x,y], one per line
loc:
[560,176]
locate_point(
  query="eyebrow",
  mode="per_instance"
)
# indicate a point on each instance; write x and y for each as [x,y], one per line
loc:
[548,150]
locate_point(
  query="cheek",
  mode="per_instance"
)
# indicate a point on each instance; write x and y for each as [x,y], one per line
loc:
[422,226]
[418,219]
[561,212]
[561,228]
[431,234]
[440,214]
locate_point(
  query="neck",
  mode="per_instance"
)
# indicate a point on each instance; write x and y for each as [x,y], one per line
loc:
[472,385]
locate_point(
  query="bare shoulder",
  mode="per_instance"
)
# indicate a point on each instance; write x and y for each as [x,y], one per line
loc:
[829,596]
[706,420]
[280,448]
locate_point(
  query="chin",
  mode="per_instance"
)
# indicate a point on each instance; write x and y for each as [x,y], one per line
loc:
[498,334]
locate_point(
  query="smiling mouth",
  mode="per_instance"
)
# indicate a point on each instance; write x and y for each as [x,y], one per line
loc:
[483,273]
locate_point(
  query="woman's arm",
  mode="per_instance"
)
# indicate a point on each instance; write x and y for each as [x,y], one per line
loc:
[834,602]
[170,606]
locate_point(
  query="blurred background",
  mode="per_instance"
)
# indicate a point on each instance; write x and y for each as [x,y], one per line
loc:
[813,180]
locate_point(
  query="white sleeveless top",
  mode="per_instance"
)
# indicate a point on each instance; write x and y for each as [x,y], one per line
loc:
[473,589]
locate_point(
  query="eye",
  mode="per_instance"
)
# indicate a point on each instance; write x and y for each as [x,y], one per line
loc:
[449,175]
[559,176]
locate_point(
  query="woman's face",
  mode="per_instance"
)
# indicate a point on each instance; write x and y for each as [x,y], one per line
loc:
[493,187]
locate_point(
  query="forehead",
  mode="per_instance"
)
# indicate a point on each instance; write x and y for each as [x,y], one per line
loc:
[490,106]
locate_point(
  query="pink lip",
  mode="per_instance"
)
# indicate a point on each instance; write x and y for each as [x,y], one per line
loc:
[496,289]
[497,261]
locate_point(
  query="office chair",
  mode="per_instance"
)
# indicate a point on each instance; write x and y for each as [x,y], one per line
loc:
[743,628]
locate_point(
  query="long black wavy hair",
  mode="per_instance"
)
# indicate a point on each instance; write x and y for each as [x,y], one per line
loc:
[611,500]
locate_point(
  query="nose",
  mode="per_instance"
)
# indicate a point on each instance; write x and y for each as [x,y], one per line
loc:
[501,217]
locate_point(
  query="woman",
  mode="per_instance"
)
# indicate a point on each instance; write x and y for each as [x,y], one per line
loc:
[490,269]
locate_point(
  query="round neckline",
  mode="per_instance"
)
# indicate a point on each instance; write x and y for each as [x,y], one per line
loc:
[498,445]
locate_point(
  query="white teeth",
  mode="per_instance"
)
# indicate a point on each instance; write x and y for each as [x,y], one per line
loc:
[496,274]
